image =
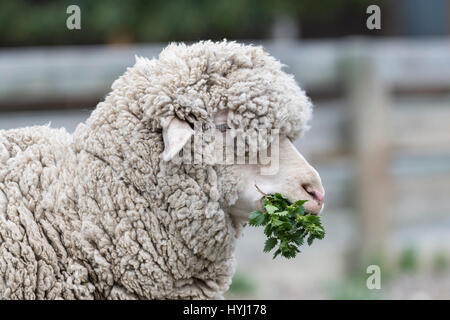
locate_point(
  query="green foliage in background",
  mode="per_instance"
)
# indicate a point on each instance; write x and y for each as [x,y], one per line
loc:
[43,22]
[353,288]
[409,259]
[242,284]
[354,283]
[441,262]
[286,225]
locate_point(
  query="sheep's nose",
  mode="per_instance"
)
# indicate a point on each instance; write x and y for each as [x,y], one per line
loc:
[314,193]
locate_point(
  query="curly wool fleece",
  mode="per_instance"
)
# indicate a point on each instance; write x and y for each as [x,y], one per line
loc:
[100,215]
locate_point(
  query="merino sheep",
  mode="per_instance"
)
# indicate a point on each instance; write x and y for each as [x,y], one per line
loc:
[111,212]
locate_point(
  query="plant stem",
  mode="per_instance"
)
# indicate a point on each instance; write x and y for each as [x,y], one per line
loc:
[260,191]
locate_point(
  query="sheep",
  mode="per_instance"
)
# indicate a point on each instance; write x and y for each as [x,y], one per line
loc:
[112,212]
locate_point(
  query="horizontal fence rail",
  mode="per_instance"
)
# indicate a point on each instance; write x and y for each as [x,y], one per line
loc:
[88,71]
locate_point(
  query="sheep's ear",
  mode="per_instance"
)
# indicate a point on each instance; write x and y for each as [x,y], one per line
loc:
[175,134]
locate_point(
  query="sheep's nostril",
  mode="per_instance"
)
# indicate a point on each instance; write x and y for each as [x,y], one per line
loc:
[316,195]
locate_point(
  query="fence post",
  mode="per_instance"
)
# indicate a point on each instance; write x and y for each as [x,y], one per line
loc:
[368,106]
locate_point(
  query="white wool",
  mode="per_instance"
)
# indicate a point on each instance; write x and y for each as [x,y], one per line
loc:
[100,215]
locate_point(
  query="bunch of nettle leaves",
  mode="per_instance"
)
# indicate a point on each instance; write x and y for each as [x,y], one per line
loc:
[287,223]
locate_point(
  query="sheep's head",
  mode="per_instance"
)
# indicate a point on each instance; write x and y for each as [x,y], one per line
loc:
[278,168]
[238,100]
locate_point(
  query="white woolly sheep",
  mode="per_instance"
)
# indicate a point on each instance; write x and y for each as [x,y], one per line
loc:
[111,212]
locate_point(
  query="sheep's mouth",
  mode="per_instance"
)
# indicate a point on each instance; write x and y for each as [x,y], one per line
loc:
[263,195]
[261,207]
[314,213]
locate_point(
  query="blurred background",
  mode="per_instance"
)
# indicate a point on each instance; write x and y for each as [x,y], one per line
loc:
[380,135]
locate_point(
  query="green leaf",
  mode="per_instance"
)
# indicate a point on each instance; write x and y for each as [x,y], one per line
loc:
[298,237]
[300,203]
[276,253]
[256,218]
[270,244]
[254,214]
[268,230]
[280,196]
[276,223]
[271,209]
[286,224]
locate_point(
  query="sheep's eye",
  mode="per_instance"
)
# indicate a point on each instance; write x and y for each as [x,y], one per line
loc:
[222,127]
